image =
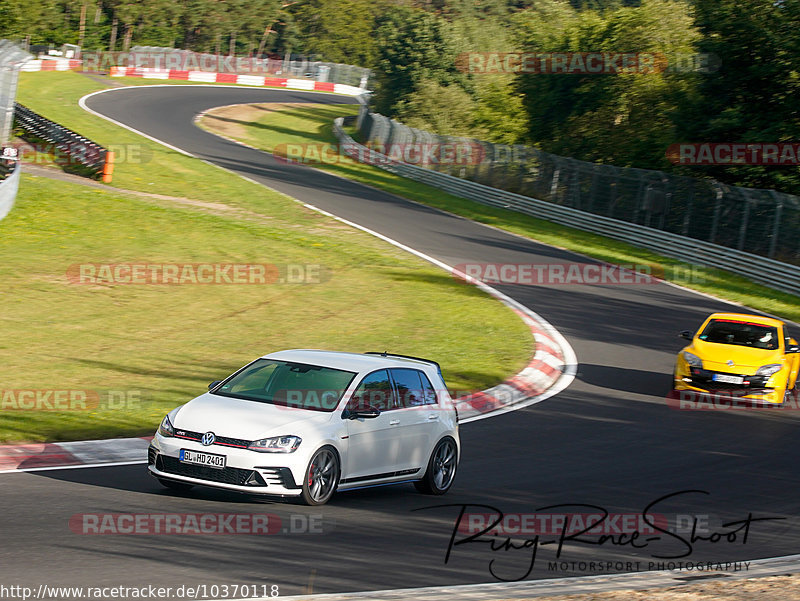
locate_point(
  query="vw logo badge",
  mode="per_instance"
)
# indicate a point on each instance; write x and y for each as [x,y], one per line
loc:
[730,363]
[208,439]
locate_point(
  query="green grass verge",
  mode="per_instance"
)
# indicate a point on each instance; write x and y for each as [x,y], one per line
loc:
[159,345]
[313,124]
[141,164]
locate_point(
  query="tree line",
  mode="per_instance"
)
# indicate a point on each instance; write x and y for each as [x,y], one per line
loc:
[420,52]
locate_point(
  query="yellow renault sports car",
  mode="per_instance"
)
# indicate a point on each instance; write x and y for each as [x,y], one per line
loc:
[747,356]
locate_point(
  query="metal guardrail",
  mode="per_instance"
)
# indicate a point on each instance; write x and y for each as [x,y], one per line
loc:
[8,188]
[775,274]
[11,60]
[82,150]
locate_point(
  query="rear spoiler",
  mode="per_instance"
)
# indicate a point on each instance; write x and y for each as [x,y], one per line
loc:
[387,354]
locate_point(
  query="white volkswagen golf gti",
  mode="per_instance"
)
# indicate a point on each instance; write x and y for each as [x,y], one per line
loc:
[306,423]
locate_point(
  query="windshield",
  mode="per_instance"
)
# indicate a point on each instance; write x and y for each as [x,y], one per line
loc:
[288,384]
[741,333]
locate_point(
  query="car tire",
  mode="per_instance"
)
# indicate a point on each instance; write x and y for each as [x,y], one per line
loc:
[177,486]
[441,470]
[321,477]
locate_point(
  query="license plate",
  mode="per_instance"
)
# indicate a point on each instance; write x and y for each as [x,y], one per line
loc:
[206,459]
[728,379]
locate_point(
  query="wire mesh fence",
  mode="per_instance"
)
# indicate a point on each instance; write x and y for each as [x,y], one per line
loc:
[762,222]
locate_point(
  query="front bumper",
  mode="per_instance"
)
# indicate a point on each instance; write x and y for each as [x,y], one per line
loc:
[753,389]
[245,471]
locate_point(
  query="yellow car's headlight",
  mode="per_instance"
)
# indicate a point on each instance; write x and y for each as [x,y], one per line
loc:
[768,370]
[692,360]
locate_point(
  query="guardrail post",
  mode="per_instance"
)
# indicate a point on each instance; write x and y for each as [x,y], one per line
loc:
[363,112]
[613,196]
[646,201]
[592,189]
[687,216]
[576,186]
[717,208]
[554,184]
[743,225]
[776,225]
[662,222]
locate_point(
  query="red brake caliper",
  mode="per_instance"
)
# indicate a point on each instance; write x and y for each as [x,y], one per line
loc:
[311,475]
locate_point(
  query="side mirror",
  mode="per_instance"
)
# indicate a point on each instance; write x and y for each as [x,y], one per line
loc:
[368,412]
[686,334]
[793,348]
[214,384]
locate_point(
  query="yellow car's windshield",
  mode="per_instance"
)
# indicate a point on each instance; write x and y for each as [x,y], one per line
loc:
[740,333]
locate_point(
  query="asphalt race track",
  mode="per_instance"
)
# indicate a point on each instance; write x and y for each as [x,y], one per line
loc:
[608,441]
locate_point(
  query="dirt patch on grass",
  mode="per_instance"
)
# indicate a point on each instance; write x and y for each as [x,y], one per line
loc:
[321,223]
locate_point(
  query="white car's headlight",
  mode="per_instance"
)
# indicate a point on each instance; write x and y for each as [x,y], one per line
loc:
[276,444]
[166,429]
[768,370]
[692,360]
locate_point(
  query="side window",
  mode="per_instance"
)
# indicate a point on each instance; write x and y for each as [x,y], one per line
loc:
[375,390]
[413,388]
[428,391]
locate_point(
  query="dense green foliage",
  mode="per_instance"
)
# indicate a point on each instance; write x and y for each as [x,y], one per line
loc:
[754,95]
[417,49]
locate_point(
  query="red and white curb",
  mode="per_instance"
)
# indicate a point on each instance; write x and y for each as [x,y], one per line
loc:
[287,83]
[57,64]
[541,373]
[33,457]
[243,80]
